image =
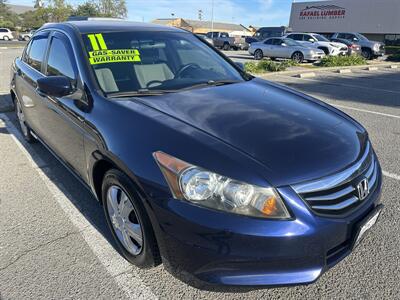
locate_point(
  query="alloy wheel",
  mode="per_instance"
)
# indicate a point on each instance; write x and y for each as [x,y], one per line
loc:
[366,54]
[298,57]
[124,220]
[258,54]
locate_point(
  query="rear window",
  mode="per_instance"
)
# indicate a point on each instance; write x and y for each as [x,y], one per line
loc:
[36,53]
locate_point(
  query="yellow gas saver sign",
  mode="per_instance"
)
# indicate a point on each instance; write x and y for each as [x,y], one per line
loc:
[101,55]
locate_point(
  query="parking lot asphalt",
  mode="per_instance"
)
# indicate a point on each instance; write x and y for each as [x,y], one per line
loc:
[54,242]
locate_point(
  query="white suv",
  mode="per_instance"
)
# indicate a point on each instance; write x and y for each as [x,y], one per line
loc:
[320,42]
[6,34]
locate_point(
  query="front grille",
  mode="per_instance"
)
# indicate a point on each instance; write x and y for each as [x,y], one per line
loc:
[343,49]
[338,194]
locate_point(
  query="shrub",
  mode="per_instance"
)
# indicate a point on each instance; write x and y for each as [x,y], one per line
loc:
[342,61]
[267,66]
[394,57]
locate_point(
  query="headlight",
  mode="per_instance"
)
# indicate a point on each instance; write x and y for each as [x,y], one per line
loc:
[208,189]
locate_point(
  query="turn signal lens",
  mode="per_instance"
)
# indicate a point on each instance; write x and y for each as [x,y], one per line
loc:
[208,189]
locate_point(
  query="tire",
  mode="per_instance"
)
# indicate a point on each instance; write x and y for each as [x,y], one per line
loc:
[226,47]
[258,54]
[6,38]
[298,57]
[24,128]
[144,255]
[366,53]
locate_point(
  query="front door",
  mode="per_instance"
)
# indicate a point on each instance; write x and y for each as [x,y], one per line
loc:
[64,116]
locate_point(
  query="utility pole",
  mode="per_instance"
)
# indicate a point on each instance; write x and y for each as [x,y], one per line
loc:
[212,16]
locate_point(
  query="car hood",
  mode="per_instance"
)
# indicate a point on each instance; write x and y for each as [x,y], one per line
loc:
[294,137]
[337,44]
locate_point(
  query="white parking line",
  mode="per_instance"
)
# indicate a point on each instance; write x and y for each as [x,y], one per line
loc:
[365,110]
[391,175]
[123,272]
[342,84]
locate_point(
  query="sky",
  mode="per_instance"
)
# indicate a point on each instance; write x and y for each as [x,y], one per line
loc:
[246,12]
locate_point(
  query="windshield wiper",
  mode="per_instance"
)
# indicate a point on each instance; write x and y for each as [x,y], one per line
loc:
[138,93]
[147,92]
[210,83]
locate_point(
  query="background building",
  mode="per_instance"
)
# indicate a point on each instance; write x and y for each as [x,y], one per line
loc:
[377,19]
[197,26]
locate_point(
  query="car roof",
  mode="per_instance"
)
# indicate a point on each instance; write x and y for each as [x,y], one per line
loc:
[311,33]
[89,26]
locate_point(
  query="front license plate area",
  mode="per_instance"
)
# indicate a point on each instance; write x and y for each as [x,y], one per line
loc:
[365,225]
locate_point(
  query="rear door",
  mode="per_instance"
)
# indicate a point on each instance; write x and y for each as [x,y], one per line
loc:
[64,116]
[28,71]
[280,50]
[267,48]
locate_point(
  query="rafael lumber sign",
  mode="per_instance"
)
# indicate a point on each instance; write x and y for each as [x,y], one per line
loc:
[323,12]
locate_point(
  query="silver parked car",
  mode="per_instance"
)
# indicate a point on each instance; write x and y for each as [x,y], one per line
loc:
[285,48]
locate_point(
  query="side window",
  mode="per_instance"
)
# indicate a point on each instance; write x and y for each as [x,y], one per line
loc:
[350,36]
[59,62]
[341,36]
[209,35]
[296,37]
[25,54]
[308,38]
[276,42]
[3,30]
[268,42]
[224,35]
[37,51]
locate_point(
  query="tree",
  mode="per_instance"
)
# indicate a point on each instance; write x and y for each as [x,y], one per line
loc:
[7,18]
[34,19]
[58,10]
[89,9]
[113,8]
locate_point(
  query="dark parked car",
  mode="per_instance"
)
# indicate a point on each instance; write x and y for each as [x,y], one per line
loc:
[263,33]
[353,48]
[369,49]
[226,178]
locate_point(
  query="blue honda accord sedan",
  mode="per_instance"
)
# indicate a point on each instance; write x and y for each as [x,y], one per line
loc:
[225,178]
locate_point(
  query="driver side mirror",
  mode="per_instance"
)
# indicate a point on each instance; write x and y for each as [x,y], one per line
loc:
[311,40]
[355,39]
[56,86]
[284,45]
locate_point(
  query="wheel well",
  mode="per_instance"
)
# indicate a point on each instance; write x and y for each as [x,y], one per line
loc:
[99,170]
[12,94]
[366,48]
[325,49]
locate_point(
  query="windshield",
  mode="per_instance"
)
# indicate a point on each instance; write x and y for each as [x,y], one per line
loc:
[320,38]
[128,62]
[291,42]
[361,37]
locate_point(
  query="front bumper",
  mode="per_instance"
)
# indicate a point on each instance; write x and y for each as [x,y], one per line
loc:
[380,52]
[202,245]
[314,57]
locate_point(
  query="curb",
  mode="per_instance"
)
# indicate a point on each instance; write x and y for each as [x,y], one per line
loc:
[297,73]
[16,47]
